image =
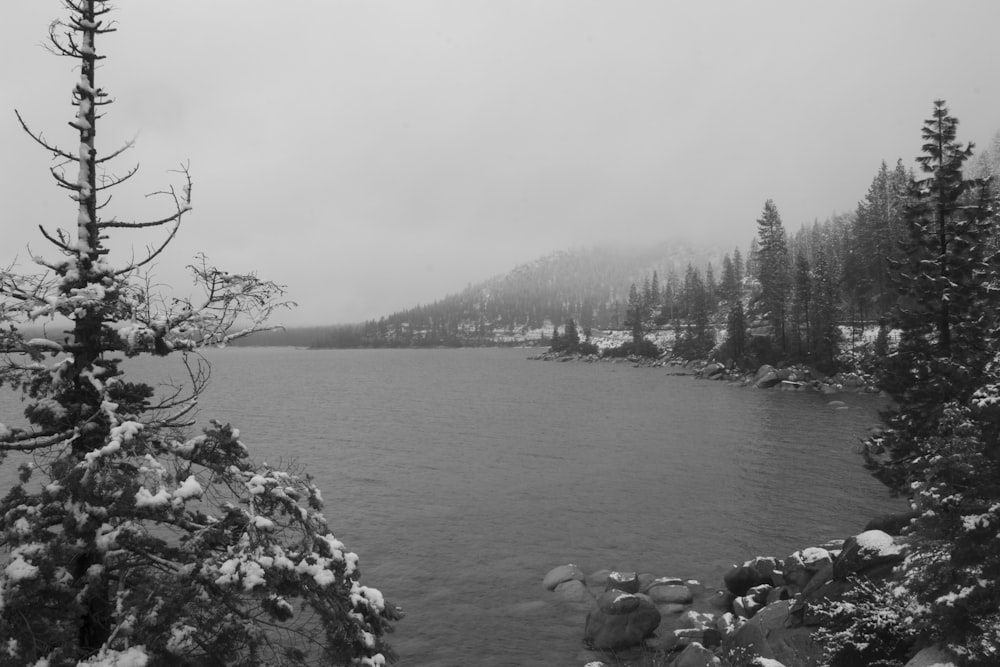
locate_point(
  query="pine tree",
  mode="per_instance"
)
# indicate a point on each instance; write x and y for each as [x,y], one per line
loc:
[946,308]
[825,333]
[802,295]
[571,337]
[878,232]
[655,295]
[773,270]
[940,443]
[699,337]
[736,332]
[126,539]
[738,268]
[634,314]
[728,287]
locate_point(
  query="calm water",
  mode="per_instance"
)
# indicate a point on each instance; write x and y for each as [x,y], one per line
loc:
[462,476]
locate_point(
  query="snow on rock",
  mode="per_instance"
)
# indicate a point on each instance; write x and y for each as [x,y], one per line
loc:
[878,542]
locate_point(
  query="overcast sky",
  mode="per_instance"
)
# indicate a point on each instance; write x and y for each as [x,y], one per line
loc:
[375,155]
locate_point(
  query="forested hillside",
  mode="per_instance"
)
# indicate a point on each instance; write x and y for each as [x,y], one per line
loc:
[590,285]
[786,293]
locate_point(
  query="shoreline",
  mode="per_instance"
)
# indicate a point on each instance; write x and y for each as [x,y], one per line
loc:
[791,377]
[768,608]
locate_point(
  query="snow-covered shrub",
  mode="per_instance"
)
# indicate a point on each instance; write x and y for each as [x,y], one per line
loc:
[871,625]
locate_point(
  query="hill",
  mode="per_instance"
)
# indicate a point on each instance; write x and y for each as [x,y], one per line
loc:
[590,285]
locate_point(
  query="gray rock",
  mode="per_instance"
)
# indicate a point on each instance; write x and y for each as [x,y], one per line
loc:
[557,575]
[933,656]
[893,524]
[598,579]
[623,581]
[574,590]
[696,655]
[768,635]
[670,594]
[767,381]
[742,578]
[868,551]
[620,620]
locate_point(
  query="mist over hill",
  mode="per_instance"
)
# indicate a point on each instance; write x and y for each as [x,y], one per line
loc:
[588,284]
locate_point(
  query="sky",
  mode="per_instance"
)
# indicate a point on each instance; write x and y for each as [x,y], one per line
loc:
[375,155]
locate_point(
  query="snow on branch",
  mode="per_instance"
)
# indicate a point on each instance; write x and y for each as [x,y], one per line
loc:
[231,306]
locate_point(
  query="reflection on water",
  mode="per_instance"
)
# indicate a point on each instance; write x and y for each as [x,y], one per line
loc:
[462,476]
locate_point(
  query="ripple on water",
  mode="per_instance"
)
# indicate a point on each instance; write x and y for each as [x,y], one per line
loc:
[462,476]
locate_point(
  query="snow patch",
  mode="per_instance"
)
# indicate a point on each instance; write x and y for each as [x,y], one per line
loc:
[20,569]
[135,656]
[189,489]
[143,498]
[878,542]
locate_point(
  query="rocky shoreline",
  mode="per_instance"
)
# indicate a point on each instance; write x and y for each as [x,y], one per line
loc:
[794,377]
[765,614]
[768,608]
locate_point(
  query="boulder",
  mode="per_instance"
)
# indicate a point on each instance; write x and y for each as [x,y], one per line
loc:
[660,581]
[598,579]
[620,620]
[645,581]
[760,570]
[574,590]
[818,579]
[801,566]
[711,638]
[696,655]
[933,656]
[713,370]
[774,617]
[671,608]
[745,606]
[696,619]
[867,552]
[769,635]
[767,380]
[721,600]
[762,371]
[558,575]
[893,524]
[623,581]
[669,593]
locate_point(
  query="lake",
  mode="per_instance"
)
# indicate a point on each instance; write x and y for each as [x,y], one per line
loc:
[461,477]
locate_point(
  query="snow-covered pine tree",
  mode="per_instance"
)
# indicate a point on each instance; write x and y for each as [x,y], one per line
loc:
[126,540]
[942,442]
[773,269]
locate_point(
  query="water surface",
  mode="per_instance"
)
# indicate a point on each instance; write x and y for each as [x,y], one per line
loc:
[462,476]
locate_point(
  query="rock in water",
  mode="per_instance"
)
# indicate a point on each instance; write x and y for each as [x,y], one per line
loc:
[620,620]
[623,581]
[741,578]
[558,575]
